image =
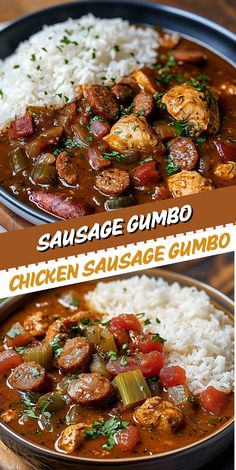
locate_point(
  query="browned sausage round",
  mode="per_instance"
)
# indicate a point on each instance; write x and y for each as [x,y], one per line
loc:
[113,182]
[67,168]
[192,57]
[183,153]
[65,207]
[122,92]
[28,377]
[91,390]
[103,102]
[76,355]
[144,104]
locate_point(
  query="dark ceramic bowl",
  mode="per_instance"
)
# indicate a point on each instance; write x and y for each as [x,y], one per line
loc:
[193,456]
[206,32]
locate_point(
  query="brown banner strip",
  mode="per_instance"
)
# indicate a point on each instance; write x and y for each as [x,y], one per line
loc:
[210,209]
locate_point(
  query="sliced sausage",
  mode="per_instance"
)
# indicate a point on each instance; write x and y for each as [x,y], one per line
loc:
[113,182]
[28,377]
[183,153]
[67,169]
[91,390]
[76,356]
[102,102]
[191,57]
[123,93]
[144,104]
[65,207]
[188,182]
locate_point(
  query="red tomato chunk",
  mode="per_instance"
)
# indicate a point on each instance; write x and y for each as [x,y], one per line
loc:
[172,375]
[150,364]
[22,127]
[227,150]
[125,322]
[9,359]
[145,343]
[127,438]
[146,174]
[212,400]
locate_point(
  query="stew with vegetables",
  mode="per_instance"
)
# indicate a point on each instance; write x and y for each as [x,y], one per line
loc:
[161,132]
[72,382]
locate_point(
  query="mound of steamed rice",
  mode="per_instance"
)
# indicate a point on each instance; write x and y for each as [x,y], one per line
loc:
[45,69]
[199,337]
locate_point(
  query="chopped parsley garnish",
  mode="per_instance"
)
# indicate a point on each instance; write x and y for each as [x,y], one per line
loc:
[33,58]
[102,356]
[146,160]
[94,55]
[44,49]
[98,118]
[106,429]
[88,139]
[171,61]
[158,96]
[191,399]
[65,40]
[77,330]
[13,332]
[56,346]
[157,338]
[17,66]
[140,315]
[66,61]
[170,167]
[201,139]
[127,110]
[114,154]
[117,48]
[71,143]
[157,320]
[30,405]
[113,355]
[88,108]
[20,349]
[1,93]
[147,322]
[232,140]
[123,361]
[181,128]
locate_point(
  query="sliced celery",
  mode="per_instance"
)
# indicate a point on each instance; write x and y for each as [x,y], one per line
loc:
[107,341]
[132,387]
[42,354]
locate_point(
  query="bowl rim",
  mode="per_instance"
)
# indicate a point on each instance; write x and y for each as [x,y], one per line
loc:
[169,276]
[34,214]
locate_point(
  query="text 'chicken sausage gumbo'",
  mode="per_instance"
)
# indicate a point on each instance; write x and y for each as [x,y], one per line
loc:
[161,132]
[82,386]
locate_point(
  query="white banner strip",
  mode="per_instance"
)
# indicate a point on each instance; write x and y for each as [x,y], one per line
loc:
[119,260]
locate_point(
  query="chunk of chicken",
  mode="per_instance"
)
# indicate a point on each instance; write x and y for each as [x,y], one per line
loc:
[145,78]
[133,133]
[8,415]
[159,414]
[37,324]
[72,437]
[188,182]
[59,329]
[225,173]
[185,103]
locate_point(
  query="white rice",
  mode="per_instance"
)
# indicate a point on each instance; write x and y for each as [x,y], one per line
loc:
[199,336]
[45,69]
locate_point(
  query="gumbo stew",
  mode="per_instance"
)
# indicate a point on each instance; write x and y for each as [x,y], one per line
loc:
[73,383]
[162,132]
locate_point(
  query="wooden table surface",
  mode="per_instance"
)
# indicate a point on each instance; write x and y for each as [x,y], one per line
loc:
[221,11]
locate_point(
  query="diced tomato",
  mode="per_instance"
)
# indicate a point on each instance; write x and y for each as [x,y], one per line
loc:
[161,193]
[212,400]
[127,438]
[172,375]
[96,160]
[146,174]
[9,359]
[125,321]
[17,336]
[22,127]
[100,128]
[145,343]
[150,364]
[227,150]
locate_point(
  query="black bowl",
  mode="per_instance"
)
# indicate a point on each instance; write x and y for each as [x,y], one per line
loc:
[206,32]
[193,456]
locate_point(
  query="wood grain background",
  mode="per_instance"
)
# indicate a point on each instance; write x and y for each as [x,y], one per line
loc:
[221,11]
